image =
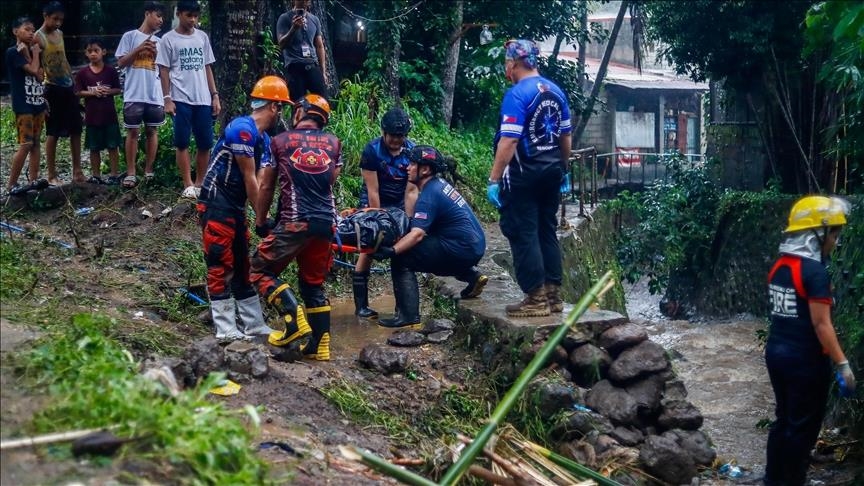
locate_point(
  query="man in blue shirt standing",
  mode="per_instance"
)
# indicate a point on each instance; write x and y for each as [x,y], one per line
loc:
[531,147]
[444,238]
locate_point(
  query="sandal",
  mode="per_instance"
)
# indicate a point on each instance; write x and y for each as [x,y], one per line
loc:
[94,179]
[114,180]
[130,181]
[149,176]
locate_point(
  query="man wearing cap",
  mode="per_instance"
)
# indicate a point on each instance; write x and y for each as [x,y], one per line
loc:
[306,162]
[444,239]
[229,182]
[531,147]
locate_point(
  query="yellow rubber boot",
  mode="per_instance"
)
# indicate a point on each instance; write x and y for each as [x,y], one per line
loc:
[318,347]
[296,325]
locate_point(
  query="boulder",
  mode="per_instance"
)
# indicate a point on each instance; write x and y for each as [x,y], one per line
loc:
[577,424]
[674,390]
[406,339]
[439,337]
[628,436]
[647,393]
[663,458]
[205,356]
[384,359]
[643,359]
[619,338]
[577,335]
[613,402]
[245,359]
[438,325]
[695,443]
[679,414]
[550,396]
[589,364]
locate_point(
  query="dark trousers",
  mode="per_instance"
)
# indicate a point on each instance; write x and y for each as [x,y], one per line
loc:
[801,390]
[529,220]
[429,256]
[303,78]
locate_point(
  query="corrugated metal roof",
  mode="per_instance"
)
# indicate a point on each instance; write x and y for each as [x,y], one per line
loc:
[667,84]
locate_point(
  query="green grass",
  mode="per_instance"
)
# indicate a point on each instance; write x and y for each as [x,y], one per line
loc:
[18,274]
[94,382]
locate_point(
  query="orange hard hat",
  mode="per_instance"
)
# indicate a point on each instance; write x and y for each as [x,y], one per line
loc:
[313,103]
[271,88]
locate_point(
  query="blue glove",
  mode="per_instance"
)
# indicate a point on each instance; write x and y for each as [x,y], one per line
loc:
[492,190]
[845,380]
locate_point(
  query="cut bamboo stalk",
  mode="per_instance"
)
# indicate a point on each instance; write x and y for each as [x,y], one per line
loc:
[470,453]
[384,466]
[570,465]
[47,439]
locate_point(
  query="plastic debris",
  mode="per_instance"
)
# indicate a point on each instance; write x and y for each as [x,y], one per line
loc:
[730,470]
[83,211]
[146,213]
[227,388]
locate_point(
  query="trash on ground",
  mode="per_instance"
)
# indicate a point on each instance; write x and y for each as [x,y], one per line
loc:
[227,388]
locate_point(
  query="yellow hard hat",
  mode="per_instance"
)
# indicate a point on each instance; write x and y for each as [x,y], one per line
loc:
[313,103]
[817,212]
[271,88]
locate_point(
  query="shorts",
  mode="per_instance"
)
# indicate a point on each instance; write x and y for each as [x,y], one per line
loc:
[64,112]
[197,119]
[134,114]
[102,137]
[29,127]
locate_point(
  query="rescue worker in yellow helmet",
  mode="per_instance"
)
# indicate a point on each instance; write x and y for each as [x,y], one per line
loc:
[802,343]
[306,162]
[230,181]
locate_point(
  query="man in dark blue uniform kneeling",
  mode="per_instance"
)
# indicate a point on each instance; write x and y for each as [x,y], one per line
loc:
[444,239]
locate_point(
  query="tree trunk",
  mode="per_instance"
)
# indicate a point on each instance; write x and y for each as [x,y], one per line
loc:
[601,74]
[235,27]
[451,63]
[583,41]
[319,9]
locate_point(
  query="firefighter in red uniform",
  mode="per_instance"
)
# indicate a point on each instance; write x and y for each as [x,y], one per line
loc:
[306,162]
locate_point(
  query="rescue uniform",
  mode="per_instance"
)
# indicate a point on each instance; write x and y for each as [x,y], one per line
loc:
[800,371]
[392,173]
[306,161]
[535,111]
[222,211]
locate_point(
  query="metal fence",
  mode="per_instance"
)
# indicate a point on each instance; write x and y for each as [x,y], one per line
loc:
[596,176]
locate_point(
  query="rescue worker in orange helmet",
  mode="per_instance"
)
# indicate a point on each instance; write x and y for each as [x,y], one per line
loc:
[306,162]
[231,179]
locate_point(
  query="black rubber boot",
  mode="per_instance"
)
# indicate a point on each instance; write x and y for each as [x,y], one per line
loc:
[407,293]
[318,347]
[360,285]
[292,313]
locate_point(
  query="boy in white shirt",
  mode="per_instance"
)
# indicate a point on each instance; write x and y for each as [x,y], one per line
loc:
[142,92]
[189,91]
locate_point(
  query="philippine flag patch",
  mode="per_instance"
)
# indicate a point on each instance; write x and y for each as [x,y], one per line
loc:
[508,119]
[420,215]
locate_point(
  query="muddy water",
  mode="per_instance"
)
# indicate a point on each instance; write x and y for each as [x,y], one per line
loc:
[348,334]
[722,366]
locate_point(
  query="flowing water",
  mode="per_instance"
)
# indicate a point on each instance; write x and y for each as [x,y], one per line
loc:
[722,366]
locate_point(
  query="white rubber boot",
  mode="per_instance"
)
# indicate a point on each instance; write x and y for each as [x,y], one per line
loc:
[225,320]
[252,317]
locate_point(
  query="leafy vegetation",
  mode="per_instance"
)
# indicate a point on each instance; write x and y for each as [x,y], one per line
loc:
[91,381]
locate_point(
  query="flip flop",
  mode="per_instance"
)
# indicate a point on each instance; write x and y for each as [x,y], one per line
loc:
[130,181]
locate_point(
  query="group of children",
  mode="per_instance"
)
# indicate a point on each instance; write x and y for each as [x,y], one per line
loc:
[170,75]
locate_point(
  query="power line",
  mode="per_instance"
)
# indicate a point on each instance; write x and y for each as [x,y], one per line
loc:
[395,17]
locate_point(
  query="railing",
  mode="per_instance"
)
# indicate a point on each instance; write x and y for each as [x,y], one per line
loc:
[593,176]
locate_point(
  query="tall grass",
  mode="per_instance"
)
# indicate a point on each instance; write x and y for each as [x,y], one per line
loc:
[356,121]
